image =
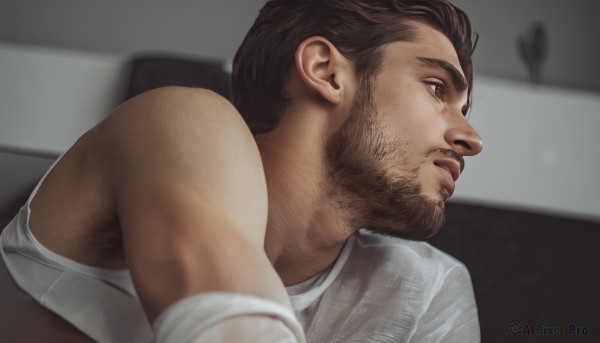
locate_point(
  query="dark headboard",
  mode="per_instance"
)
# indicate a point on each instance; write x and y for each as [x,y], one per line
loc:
[527,268]
[149,71]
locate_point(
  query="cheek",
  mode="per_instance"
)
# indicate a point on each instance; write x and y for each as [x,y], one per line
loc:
[413,123]
[416,115]
[416,133]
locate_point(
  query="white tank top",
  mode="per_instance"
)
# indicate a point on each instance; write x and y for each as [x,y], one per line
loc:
[118,277]
[100,302]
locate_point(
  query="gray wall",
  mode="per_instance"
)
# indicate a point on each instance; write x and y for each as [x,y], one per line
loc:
[573,39]
[211,28]
[540,149]
[214,29]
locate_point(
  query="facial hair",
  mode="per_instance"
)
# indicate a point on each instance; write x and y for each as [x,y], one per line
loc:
[369,194]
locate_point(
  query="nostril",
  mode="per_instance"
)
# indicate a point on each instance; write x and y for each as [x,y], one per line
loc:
[464,140]
[463,144]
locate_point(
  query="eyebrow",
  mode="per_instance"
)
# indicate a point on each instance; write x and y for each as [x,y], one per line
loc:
[458,80]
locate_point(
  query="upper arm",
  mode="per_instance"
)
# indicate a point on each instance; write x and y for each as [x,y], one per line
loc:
[188,187]
[183,140]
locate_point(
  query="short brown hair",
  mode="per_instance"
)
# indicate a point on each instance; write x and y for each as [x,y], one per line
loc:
[357,28]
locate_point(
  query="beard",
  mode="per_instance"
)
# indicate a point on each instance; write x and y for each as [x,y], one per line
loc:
[360,163]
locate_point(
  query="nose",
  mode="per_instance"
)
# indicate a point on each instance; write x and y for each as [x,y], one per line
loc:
[464,139]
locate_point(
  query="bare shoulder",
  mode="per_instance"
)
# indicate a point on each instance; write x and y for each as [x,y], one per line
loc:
[182,144]
[184,140]
[178,111]
[184,130]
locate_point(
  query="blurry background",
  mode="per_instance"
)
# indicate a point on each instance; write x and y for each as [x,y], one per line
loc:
[526,215]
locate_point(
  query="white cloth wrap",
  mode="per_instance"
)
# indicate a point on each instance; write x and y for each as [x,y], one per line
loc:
[227,317]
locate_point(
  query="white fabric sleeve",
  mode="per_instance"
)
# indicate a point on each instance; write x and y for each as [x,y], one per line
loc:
[227,317]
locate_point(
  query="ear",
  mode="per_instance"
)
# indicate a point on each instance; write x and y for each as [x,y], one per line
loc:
[323,69]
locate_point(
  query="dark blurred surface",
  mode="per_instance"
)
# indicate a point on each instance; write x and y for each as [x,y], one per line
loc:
[153,71]
[527,268]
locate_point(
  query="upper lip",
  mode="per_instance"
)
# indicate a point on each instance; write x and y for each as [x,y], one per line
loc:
[451,166]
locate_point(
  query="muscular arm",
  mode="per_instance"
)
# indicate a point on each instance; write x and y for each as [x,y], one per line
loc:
[187,182]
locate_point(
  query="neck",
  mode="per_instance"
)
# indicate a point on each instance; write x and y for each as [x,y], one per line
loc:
[305,233]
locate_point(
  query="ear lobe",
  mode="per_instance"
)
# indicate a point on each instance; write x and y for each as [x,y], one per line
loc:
[318,64]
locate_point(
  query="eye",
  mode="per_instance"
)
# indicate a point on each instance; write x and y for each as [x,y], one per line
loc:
[437,89]
[466,111]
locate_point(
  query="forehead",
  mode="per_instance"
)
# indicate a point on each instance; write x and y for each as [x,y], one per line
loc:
[429,43]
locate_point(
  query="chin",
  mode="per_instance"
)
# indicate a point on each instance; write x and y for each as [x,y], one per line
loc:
[418,219]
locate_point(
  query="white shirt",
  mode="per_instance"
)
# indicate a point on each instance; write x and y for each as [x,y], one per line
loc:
[380,289]
[389,290]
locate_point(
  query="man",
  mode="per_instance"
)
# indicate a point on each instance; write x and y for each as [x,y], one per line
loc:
[358,110]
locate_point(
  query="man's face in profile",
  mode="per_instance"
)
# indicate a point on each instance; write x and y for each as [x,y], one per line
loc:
[395,161]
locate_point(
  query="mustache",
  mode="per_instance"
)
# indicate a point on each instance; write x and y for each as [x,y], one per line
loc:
[448,153]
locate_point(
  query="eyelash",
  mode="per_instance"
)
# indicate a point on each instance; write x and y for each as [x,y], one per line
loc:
[443,91]
[440,86]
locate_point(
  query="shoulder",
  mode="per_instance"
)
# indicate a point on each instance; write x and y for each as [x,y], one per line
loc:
[437,286]
[410,269]
[176,110]
[180,99]
[182,130]
[187,145]
[186,135]
[420,258]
